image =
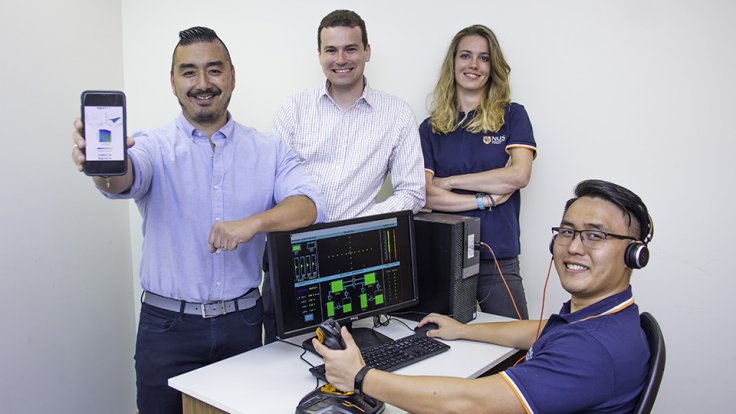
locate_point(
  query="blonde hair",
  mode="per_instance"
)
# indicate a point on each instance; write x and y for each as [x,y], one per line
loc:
[490,112]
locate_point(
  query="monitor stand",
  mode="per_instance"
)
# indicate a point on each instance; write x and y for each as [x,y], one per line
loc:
[363,337]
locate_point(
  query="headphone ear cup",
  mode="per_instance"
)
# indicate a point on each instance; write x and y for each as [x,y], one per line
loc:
[552,244]
[636,255]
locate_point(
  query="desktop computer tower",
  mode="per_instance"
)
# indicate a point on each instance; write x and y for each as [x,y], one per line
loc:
[447,265]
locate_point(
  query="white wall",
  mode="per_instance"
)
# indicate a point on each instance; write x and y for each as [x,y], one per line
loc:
[630,91]
[636,92]
[65,268]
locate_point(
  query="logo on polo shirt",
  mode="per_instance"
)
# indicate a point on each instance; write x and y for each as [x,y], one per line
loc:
[494,139]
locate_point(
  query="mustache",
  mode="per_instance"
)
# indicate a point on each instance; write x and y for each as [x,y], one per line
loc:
[208,91]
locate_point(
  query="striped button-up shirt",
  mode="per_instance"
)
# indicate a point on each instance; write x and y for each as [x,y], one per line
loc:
[350,152]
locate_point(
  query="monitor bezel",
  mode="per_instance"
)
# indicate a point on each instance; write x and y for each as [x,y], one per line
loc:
[274,237]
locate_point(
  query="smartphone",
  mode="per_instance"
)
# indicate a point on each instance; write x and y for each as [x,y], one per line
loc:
[104,130]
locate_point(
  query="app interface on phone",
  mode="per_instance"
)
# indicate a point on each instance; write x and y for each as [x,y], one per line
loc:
[103,129]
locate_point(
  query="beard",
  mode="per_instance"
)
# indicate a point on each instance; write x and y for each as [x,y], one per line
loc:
[205,115]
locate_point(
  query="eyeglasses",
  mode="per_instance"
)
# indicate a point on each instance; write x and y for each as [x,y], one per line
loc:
[590,238]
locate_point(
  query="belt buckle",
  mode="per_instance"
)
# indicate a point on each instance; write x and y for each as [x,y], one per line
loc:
[204,309]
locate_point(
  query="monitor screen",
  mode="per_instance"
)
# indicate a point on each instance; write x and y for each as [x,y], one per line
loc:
[344,270]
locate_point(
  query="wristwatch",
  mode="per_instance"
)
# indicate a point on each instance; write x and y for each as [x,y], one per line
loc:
[479,200]
[358,385]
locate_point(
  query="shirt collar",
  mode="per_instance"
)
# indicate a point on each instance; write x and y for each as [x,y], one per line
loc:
[191,132]
[367,95]
[611,304]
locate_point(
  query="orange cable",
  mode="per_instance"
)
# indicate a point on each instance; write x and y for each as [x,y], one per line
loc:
[544,297]
[541,313]
[504,279]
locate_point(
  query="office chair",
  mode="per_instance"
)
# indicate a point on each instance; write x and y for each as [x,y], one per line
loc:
[657,358]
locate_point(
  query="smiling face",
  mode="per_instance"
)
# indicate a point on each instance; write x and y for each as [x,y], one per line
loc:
[472,64]
[591,275]
[343,57]
[203,79]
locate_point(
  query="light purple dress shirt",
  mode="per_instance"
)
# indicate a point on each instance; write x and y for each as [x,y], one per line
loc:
[182,187]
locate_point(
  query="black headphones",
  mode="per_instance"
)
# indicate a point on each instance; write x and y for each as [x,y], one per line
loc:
[636,255]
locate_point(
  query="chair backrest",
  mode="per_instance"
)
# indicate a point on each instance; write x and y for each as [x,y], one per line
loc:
[658,355]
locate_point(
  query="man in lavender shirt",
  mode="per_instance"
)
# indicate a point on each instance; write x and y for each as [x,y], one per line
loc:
[208,189]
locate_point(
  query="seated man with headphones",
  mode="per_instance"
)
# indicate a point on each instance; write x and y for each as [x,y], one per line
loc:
[590,357]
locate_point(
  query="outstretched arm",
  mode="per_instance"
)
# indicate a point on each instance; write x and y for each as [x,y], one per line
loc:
[514,334]
[418,394]
[430,394]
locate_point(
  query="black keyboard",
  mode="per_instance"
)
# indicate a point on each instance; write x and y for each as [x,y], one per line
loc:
[395,355]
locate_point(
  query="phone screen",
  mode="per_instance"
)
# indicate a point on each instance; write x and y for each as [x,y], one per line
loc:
[103,116]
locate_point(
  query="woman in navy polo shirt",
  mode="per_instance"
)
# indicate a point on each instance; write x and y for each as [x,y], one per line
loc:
[478,151]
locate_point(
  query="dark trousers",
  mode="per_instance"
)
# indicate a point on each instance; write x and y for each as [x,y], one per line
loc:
[492,294]
[172,343]
[269,311]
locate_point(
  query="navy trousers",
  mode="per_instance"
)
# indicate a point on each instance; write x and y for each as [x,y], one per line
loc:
[172,343]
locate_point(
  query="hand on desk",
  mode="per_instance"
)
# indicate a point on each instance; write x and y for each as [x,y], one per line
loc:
[341,365]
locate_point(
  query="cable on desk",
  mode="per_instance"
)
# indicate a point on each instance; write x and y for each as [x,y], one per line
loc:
[304,352]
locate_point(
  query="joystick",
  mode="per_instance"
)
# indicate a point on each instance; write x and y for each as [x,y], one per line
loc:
[328,333]
[328,399]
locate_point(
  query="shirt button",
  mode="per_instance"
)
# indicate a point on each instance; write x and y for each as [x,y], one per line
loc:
[217,187]
[218,283]
[217,219]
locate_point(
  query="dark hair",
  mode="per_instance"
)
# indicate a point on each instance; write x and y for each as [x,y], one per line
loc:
[342,18]
[199,34]
[625,199]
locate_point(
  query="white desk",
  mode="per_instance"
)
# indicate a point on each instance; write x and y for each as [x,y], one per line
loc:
[273,379]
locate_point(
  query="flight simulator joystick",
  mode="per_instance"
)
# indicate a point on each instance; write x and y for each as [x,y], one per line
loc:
[328,399]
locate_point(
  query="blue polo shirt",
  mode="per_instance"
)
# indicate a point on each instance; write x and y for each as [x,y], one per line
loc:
[594,360]
[462,152]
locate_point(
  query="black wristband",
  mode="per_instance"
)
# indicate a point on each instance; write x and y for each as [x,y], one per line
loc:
[358,385]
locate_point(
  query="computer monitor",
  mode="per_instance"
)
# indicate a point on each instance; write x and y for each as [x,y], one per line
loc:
[345,270]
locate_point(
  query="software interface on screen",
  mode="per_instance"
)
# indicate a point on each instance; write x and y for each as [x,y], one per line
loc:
[343,272]
[104,133]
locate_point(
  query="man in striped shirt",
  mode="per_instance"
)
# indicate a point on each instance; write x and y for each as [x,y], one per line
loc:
[349,135]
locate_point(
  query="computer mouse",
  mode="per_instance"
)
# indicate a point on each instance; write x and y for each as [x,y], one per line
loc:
[426,327]
[328,332]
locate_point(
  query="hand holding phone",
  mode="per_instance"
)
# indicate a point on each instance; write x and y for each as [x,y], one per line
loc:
[104,129]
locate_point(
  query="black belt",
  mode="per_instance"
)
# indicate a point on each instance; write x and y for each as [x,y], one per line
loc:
[205,310]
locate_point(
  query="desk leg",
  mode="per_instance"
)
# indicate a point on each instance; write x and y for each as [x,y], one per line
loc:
[192,405]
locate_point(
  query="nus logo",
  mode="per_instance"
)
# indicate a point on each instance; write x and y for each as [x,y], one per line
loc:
[494,139]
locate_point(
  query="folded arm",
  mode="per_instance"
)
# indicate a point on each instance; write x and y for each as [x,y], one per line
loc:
[515,175]
[441,199]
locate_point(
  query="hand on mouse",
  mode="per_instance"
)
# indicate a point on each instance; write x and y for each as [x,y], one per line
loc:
[447,328]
